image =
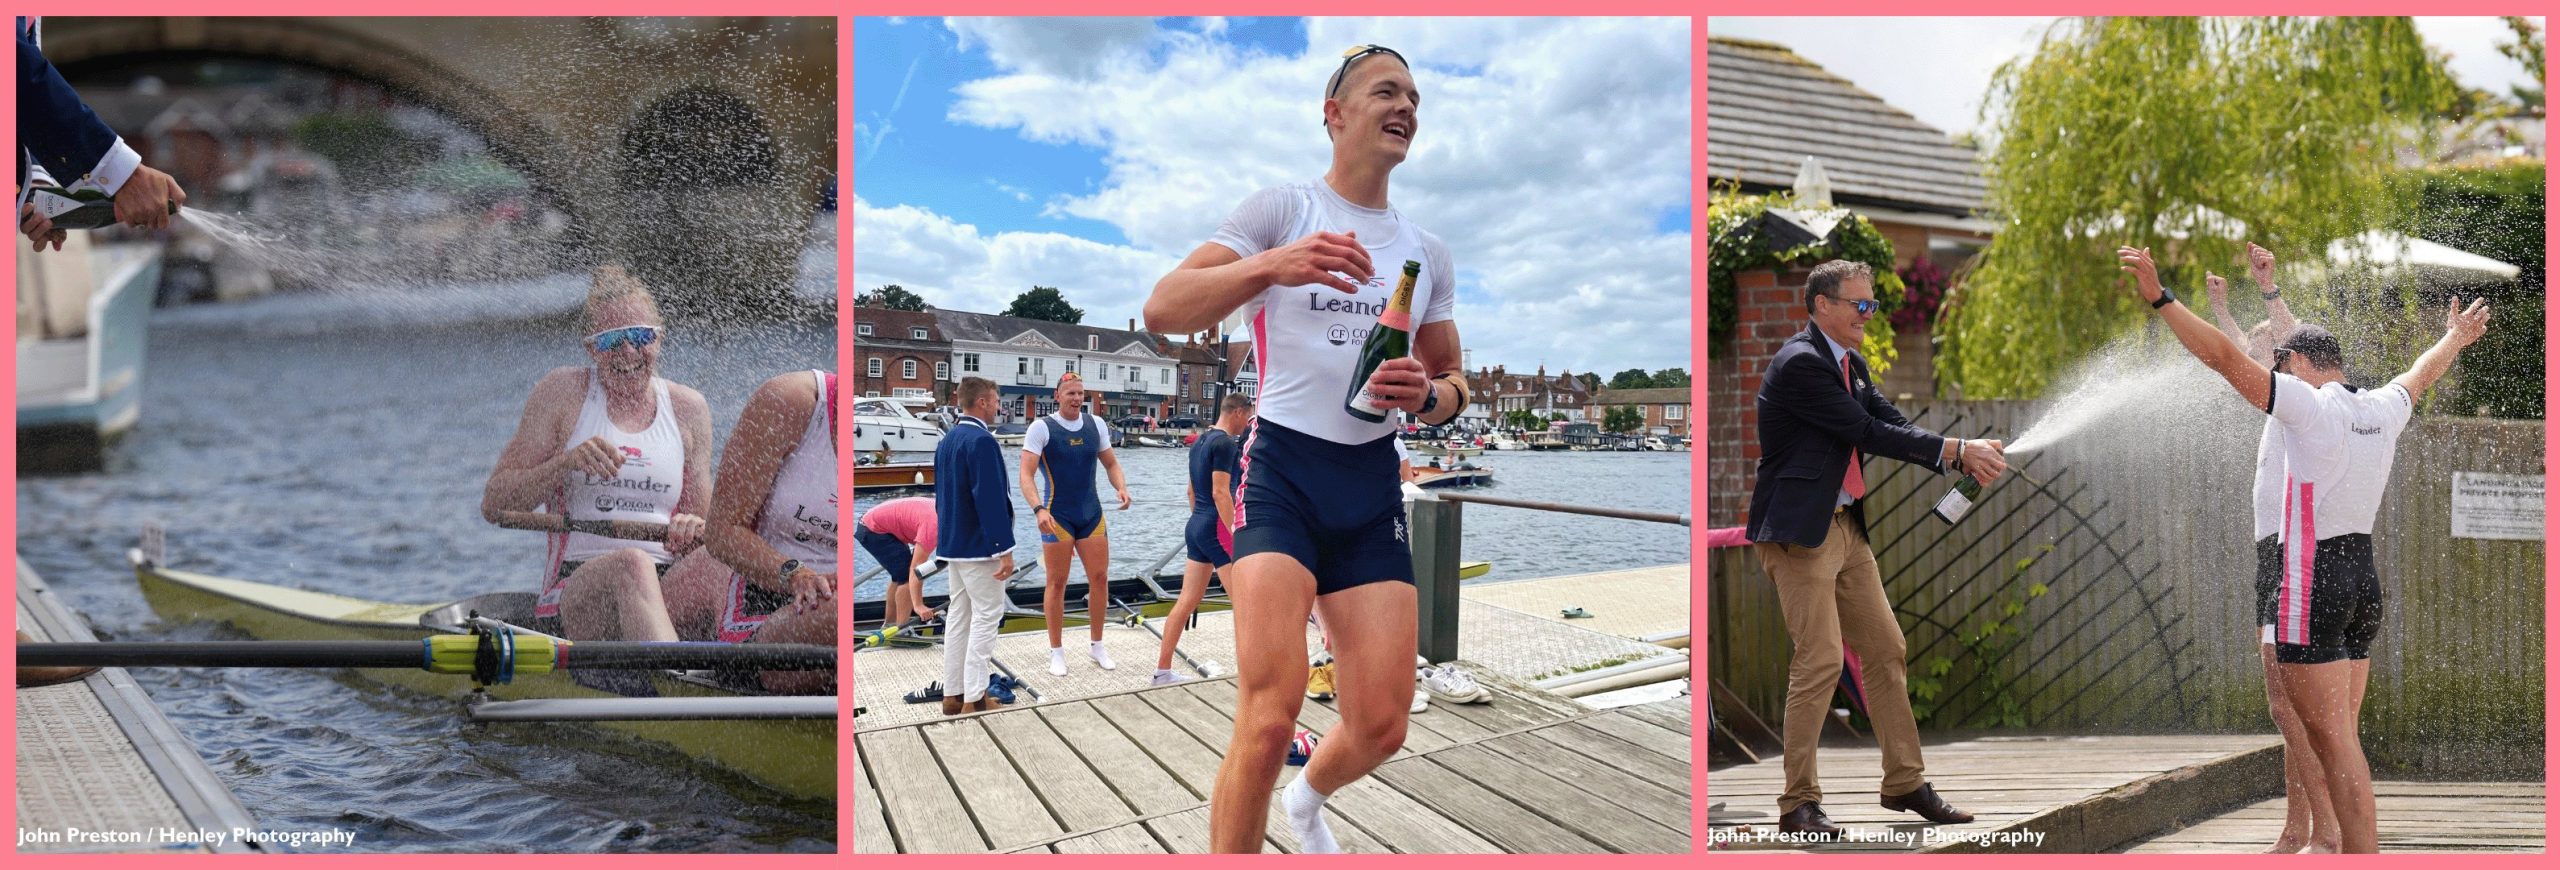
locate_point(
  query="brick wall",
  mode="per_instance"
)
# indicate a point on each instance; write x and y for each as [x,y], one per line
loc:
[1770,309]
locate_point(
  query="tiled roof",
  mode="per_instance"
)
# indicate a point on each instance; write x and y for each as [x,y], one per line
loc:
[1768,109]
[997,328]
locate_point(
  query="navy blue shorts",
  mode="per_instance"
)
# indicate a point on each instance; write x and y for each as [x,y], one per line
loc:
[1336,508]
[1200,536]
[2338,617]
[1077,527]
[890,552]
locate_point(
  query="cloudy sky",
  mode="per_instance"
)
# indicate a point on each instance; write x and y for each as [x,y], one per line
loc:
[1092,154]
[1938,68]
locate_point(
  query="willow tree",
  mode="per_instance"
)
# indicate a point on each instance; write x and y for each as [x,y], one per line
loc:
[2173,133]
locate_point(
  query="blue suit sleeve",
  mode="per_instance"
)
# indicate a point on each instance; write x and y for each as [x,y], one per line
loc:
[986,486]
[54,124]
[1817,396]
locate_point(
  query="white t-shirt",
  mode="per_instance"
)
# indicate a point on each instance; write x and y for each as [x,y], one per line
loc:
[2268,495]
[1036,437]
[1307,338]
[1401,452]
[2338,447]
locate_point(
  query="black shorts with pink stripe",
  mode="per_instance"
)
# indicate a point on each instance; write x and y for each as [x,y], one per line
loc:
[2337,617]
[1335,508]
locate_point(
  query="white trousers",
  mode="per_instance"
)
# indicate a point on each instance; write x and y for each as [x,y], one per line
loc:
[969,623]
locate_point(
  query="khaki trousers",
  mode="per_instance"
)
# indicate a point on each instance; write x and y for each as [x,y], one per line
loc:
[1832,593]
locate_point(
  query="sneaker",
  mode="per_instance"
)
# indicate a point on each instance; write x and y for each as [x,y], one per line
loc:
[1320,682]
[1164,678]
[998,689]
[1421,701]
[1449,685]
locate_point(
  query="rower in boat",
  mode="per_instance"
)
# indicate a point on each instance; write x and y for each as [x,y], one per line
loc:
[773,528]
[610,441]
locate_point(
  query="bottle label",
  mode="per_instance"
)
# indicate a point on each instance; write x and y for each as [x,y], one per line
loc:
[1367,403]
[1954,506]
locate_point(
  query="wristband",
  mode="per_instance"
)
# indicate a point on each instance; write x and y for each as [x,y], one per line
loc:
[1430,398]
[2166,297]
[789,567]
[2269,295]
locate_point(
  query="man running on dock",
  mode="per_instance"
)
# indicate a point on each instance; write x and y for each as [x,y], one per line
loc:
[1210,536]
[1059,452]
[973,527]
[2339,443]
[1320,525]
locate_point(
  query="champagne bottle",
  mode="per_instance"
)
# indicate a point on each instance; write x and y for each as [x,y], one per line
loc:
[1391,338]
[1958,501]
[85,209]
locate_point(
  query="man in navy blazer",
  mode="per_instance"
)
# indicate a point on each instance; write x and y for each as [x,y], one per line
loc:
[60,138]
[1820,414]
[973,519]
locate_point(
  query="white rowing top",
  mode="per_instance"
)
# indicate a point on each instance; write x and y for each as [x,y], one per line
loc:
[1307,338]
[644,489]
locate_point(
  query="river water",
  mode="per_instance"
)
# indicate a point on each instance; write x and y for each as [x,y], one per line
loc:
[1520,543]
[338,441]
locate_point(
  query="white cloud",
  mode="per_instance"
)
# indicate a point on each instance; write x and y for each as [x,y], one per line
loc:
[1074,47]
[1547,152]
[954,265]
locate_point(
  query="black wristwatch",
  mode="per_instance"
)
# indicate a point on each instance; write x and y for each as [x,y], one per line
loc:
[1430,397]
[789,567]
[2166,297]
[2270,295]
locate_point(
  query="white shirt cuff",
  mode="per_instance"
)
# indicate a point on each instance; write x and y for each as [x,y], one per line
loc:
[113,169]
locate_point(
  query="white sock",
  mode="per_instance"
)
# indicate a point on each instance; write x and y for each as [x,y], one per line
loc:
[1305,808]
[1163,672]
[1057,662]
[1100,656]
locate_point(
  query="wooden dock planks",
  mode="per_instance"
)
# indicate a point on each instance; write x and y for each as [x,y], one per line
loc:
[1132,772]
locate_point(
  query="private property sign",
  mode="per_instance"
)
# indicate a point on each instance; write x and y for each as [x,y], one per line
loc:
[2498,507]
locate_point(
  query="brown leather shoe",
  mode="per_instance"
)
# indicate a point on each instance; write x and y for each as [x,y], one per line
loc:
[953,706]
[1807,818]
[1925,801]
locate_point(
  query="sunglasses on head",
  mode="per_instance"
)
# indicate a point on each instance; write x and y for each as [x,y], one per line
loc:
[635,336]
[2281,354]
[1353,55]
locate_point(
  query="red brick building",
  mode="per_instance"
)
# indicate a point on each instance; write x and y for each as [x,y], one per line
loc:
[902,355]
[1665,409]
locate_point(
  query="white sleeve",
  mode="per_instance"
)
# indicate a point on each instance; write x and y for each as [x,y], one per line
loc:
[2398,405]
[1035,436]
[1103,429]
[1401,452]
[1444,281]
[2292,402]
[1260,223]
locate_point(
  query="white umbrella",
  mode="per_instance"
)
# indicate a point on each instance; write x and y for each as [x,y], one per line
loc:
[2398,255]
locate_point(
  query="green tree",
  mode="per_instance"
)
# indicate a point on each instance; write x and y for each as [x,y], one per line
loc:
[2496,212]
[2526,50]
[1525,421]
[1631,379]
[2173,134]
[1561,417]
[1590,382]
[1671,378]
[1044,303]
[1622,418]
[892,296]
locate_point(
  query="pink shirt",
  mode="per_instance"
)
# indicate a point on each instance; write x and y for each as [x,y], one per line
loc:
[910,520]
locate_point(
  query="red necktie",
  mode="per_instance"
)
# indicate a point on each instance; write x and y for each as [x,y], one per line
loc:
[1856,483]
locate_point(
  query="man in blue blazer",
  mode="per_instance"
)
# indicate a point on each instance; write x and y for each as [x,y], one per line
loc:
[973,518]
[60,138]
[1820,415]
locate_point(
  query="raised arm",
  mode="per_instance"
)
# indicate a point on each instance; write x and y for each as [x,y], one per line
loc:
[2280,322]
[2461,327]
[2208,345]
[1214,281]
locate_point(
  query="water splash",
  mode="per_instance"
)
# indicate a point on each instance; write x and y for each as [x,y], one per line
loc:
[236,232]
[2132,386]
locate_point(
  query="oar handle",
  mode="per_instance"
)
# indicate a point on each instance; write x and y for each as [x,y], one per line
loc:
[536,521]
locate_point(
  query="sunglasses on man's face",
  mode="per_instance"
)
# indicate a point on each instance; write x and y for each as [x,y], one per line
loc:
[1863,306]
[635,336]
[1353,55]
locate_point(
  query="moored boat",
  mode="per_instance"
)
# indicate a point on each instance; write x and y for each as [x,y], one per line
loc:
[893,475]
[794,756]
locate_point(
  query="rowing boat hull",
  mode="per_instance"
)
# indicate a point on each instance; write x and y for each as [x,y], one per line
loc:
[795,757]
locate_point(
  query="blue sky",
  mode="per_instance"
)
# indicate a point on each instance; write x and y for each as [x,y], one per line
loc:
[1091,154]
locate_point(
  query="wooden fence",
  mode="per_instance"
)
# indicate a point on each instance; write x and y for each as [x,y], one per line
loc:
[2139,542]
